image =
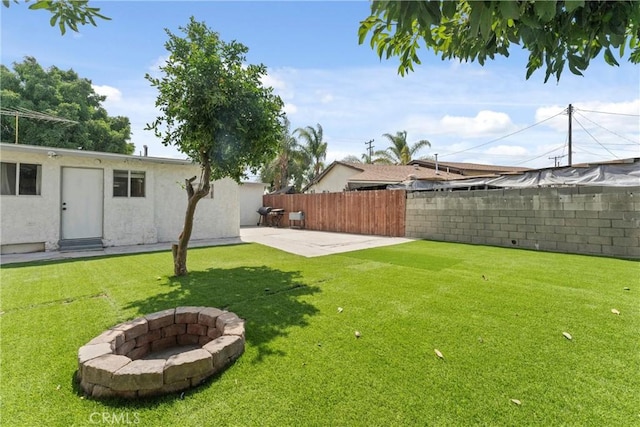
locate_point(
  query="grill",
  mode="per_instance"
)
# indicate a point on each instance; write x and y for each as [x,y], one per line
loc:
[269,216]
[264,212]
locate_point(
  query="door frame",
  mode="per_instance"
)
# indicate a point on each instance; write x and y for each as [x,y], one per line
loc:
[102,202]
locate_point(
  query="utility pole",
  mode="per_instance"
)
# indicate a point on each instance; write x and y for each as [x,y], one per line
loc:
[370,149]
[556,160]
[570,111]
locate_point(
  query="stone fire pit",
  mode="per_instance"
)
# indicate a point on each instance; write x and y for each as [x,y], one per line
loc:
[160,353]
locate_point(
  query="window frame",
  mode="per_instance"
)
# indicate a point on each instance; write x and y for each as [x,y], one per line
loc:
[130,183]
[18,187]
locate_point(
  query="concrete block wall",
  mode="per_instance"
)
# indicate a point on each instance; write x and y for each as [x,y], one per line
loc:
[582,220]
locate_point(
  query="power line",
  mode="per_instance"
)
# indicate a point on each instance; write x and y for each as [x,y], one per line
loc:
[541,155]
[20,112]
[30,114]
[608,130]
[505,136]
[594,138]
[582,150]
[485,154]
[606,112]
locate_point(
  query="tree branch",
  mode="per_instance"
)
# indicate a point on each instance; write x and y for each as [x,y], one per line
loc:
[189,184]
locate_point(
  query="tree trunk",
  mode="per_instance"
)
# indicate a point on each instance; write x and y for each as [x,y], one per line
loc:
[179,250]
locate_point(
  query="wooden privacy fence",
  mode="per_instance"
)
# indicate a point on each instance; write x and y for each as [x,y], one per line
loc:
[380,212]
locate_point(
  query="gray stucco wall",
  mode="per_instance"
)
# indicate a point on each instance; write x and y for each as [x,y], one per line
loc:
[582,220]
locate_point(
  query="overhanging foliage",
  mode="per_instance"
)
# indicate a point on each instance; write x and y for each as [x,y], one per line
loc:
[556,33]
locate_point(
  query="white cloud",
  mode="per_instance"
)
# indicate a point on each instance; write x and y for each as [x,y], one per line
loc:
[269,80]
[324,96]
[619,117]
[484,123]
[508,150]
[290,108]
[459,110]
[113,94]
[154,68]
[553,116]
[281,82]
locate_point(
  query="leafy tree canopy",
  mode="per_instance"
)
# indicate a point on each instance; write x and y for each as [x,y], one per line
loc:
[214,109]
[63,94]
[556,33]
[65,13]
[214,106]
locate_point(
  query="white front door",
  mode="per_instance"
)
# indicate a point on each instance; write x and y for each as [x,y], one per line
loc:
[82,202]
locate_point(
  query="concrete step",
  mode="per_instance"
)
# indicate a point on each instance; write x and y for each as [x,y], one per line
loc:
[72,245]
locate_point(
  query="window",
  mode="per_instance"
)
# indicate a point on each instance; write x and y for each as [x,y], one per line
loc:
[8,175]
[128,183]
[120,183]
[137,184]
[20,178]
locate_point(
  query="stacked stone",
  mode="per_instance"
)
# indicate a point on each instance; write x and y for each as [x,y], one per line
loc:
[124,360]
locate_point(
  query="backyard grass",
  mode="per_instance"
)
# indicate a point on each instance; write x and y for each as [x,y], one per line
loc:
[497,316]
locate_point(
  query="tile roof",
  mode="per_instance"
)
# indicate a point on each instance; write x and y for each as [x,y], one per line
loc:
[470,166]
[395,173]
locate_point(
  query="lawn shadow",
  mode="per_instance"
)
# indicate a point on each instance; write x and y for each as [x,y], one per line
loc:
[269,300]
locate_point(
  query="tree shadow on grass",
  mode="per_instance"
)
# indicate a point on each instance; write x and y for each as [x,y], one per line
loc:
[271,301]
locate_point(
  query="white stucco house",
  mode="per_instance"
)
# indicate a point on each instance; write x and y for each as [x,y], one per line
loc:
[52,197]
[250,199]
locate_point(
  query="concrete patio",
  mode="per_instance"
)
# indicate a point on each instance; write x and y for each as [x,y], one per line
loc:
[305,243]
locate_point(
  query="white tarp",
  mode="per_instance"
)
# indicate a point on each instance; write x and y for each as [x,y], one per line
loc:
[606,175]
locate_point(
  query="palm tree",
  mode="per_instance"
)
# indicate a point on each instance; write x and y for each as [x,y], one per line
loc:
[314,147]
[288,165]
[400,153]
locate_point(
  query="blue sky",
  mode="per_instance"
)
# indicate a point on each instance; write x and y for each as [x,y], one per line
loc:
[316,65]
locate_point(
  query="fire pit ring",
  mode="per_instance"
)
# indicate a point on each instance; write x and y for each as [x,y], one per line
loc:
[160,353]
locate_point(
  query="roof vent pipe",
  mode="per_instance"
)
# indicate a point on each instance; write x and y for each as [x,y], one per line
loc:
[146,150]
[436,155]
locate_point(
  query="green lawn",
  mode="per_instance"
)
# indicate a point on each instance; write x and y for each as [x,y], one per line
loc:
[498,316]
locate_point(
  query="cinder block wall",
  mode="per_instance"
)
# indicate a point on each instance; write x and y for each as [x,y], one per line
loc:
[581,220]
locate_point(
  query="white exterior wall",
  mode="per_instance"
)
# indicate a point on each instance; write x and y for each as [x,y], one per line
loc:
[216,217]
[157,217]
[335,181]
[129,220]
[32,219]
[250,197]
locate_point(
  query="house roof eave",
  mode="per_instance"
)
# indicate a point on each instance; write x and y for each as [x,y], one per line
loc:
[40,149]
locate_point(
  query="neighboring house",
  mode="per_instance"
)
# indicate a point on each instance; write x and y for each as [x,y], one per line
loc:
[345,176]
[468,169]
[52,197]
[250,198]
[612,173]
